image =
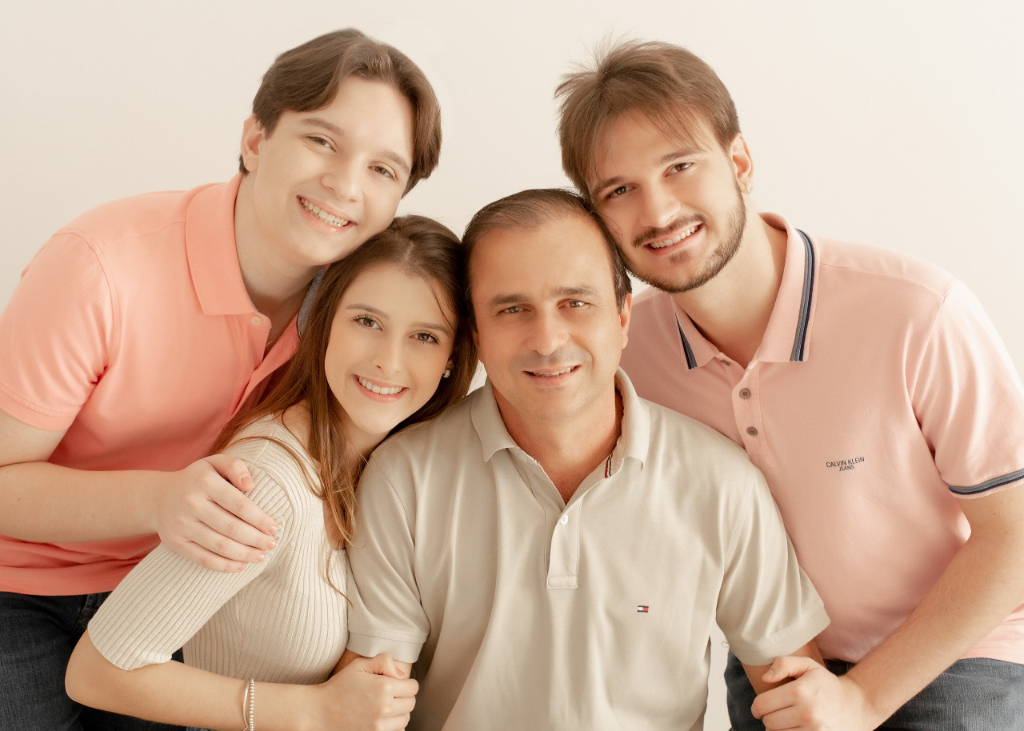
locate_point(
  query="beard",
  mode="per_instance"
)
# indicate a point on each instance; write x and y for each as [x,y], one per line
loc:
[722,254]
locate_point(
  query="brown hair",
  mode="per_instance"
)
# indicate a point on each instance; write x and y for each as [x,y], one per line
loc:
[529,209]
[672,87]
[307,78]
[414,244]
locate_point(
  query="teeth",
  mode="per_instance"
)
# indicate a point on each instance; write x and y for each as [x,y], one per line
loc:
[677,238]
[384,391]
[551,375]
[323,215]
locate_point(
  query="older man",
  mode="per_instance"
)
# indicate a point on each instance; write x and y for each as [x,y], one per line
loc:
[553,552]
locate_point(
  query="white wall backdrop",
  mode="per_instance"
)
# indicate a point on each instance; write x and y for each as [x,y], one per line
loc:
[897,123]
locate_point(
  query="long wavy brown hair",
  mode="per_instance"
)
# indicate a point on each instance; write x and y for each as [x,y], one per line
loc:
[421,247]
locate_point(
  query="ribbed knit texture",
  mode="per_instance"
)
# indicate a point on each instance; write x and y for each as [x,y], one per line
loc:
[276,621]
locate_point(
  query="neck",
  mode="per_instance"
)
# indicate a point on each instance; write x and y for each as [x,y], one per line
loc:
[275,286]
[567,449]
[733,309]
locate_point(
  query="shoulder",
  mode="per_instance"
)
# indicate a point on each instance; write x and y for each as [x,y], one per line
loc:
[127,219]
[878,271]
[684,450]
[279,465]
[443,432]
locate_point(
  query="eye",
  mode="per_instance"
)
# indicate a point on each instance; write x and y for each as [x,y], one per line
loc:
[383,171]
[425,337]
[367,321]
[319,141]
[575,303]
[616,192]
[511,310]
[680,167]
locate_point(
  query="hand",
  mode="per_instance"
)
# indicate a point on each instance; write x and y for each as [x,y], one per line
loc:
[370,693]
[202,513]
[814,700]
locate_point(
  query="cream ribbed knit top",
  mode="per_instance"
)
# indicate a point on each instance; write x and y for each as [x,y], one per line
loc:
[276,621]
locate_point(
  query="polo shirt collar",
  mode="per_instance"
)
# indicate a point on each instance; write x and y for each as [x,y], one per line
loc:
[786,338]
[211,251]
[632,443]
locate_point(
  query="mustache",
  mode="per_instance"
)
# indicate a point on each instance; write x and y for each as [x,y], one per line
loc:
[672,228]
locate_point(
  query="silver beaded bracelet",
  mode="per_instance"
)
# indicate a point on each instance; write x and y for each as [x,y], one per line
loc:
[249,706]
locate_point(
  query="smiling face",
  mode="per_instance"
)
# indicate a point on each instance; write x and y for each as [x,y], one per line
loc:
[549,332]
[675,208]
[389,346]
[326,180]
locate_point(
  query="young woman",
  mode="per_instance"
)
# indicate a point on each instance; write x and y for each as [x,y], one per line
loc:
[387,344]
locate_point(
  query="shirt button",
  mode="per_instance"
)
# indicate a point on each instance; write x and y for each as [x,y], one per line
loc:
[563,520]
[744,393]
[257,320]
[752,431]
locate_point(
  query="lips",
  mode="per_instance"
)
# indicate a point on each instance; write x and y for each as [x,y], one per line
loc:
[553,373]
[379,389]
[676,238]
[327,217]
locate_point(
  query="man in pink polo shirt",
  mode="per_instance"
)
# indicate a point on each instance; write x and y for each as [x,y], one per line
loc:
[869,388]
[140,328]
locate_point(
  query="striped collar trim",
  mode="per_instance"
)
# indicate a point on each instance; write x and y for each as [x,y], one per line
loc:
[799,350]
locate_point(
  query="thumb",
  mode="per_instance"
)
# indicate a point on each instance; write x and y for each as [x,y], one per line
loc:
[788,666]
[378,665]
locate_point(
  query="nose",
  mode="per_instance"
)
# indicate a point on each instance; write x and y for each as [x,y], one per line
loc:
[344,180]
[660,206]
[387,357]
[548,332]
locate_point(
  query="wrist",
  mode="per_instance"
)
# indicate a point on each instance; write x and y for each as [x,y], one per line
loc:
[865,695]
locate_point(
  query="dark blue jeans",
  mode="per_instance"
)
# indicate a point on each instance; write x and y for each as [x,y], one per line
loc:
[973,695]
[37,635]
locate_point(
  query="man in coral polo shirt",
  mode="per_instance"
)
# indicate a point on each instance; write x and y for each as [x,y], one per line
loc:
[870,389]
[140,328]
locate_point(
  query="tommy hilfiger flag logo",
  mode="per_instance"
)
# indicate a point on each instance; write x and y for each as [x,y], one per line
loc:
[642,608]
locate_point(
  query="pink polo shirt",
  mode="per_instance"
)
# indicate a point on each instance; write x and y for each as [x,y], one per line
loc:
[880,395]
[131,328]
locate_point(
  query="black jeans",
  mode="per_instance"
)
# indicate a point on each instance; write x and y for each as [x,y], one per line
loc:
[977,694]
[37,635]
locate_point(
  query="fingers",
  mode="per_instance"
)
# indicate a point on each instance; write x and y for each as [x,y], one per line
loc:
[235,473]
[788,666]
[199,555]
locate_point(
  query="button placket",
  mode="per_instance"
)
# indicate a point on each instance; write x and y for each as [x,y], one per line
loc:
[747,411]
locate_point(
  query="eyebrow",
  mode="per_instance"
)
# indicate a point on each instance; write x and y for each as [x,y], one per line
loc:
[665,159]
[385,316]
[334,129]
[513,298]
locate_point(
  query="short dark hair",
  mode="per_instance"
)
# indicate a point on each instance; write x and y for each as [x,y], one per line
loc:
[671,86]
[529,209]
[308,76]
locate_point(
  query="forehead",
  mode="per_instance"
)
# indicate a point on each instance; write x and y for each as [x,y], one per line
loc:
[568,251]
[396,291]
[636,136]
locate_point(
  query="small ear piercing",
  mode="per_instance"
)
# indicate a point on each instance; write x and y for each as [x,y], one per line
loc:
[750,187]
[447,373]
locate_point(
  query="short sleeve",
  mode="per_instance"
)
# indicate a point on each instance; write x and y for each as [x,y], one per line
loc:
[969,400]
[167,599]
[767,606]
[386,614]
[56,334]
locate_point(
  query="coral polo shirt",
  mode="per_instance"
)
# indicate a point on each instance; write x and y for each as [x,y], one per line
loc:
[131,329]
[880,395]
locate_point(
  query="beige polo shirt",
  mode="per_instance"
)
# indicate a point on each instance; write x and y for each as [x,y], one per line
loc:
[525,612]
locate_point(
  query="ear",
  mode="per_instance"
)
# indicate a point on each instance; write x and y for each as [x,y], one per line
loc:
[252,139]
[742,162]
[625,317]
